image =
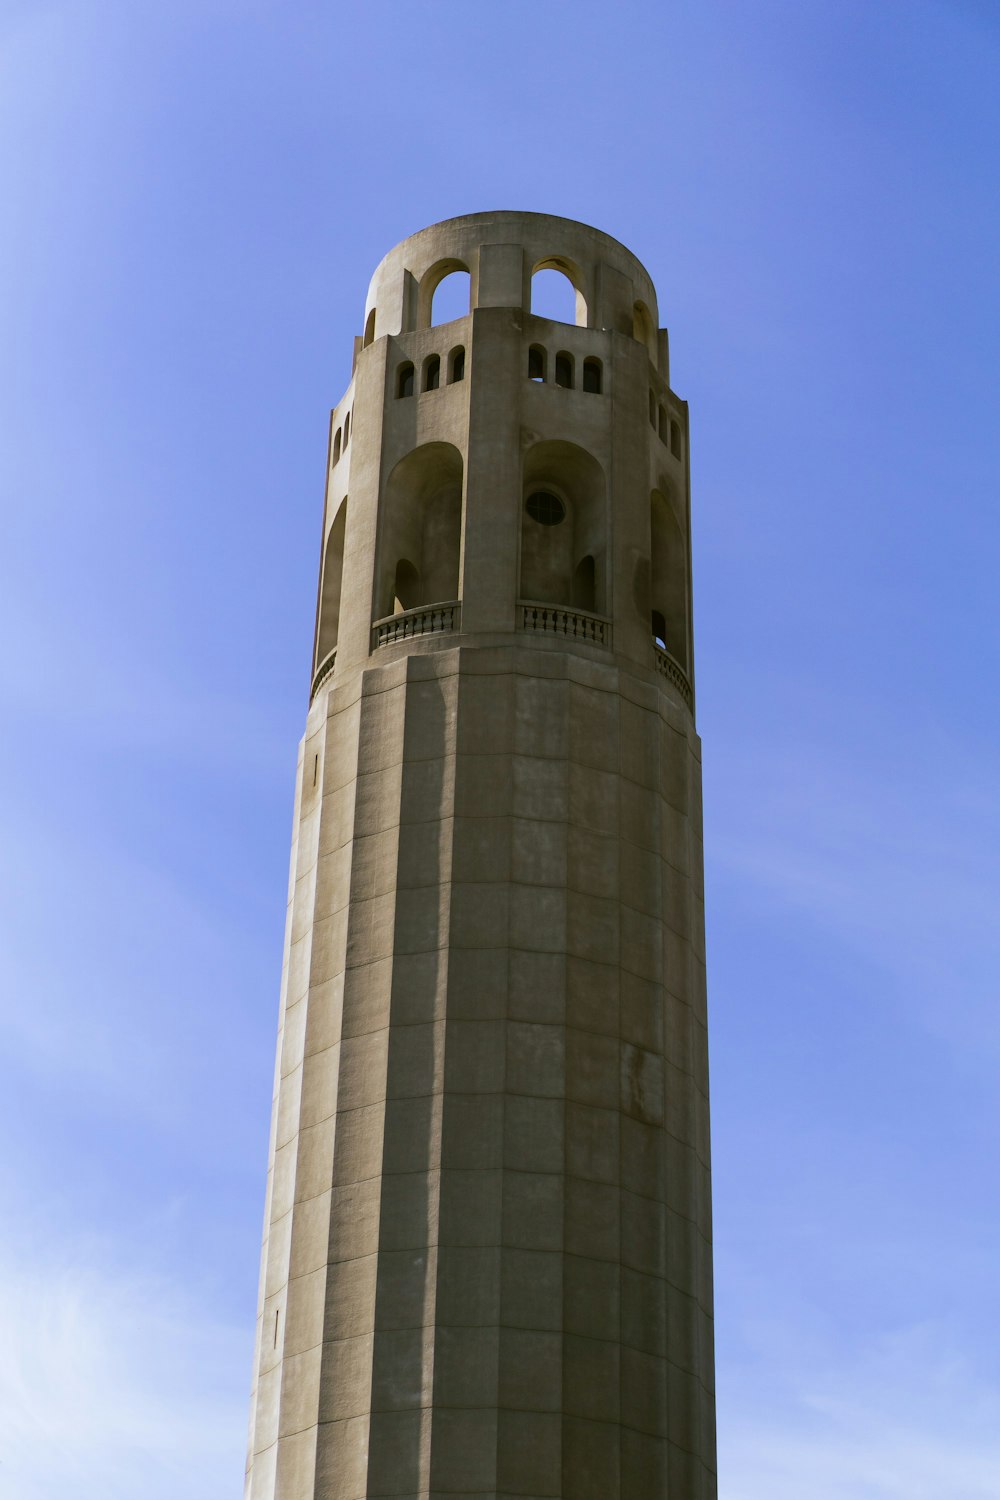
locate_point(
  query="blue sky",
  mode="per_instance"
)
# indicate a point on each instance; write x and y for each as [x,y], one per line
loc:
[192,198]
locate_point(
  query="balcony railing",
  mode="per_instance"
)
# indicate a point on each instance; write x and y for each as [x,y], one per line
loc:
[675,673]
[575,624]
[431,619]
[322,672]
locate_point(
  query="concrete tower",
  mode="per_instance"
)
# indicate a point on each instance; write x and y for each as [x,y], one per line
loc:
[487,1247]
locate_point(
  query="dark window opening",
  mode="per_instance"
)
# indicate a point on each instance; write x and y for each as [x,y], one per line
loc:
[347,429]
[585,584]
[404,380]
[652,410]
[536,362]
[432,373]
[675,439]
[456,365]
[564,370]
[592,376]
[664,426]
[405,587]
[336,446]
[659,630]
[545,508]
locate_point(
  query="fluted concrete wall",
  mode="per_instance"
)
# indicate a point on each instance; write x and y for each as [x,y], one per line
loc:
[487,1267]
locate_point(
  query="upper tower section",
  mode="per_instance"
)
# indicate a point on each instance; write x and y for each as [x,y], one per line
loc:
[503,474]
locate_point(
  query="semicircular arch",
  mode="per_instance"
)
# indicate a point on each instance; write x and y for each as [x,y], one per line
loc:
[564,524]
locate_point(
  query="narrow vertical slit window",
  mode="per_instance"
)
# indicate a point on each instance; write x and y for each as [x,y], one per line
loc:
[347,429]
[652,410]
[336,446]
[432,372]
[675,438]
[592,376]
[664,426]
[456,365]
[404,380]
[536,363]
[564,370]
[369,337]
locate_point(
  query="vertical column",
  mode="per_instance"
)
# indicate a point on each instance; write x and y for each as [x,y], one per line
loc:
[464,1443]
[361,1063]
[531,1375]
[594,1223]
[645,1152]
[406,1310]
[489,581]
[630,486]
[362,513]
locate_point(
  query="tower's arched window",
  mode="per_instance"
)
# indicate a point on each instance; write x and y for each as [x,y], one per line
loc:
[456,365]
[536,363]
[642,329]
[347,430]
[592,376]
[556,294]
[664,425]
[369,337]
[564,369]
[668,579]
[452,297]
[585,584]
[432,372]
[564,541]
[404,380]
[405,586]
[421,527]
[336,445]
[328,621]
[675,438]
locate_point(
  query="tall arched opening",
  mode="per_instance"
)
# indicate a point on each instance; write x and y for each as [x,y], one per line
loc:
[668,580]
[444,294]
[643,330]
[564,528]
[328,623]
[421,541]
[557,292]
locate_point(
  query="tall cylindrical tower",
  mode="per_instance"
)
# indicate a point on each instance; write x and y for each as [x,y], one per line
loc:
[487,1249]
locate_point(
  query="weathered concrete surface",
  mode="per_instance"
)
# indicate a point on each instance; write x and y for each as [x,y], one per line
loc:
[487,1266]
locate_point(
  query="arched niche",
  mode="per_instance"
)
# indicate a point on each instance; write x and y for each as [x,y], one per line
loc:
[421,528]
[456,365]
[564,528]
[444,293]
[369,337]
[550,296]
[668,579]
[642,328]
[328,624]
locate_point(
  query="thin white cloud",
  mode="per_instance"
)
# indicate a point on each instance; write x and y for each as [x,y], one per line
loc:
[114,1384]
[908,1418]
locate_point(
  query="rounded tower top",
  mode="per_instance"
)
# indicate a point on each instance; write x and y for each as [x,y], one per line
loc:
[502,250]
[503,476]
